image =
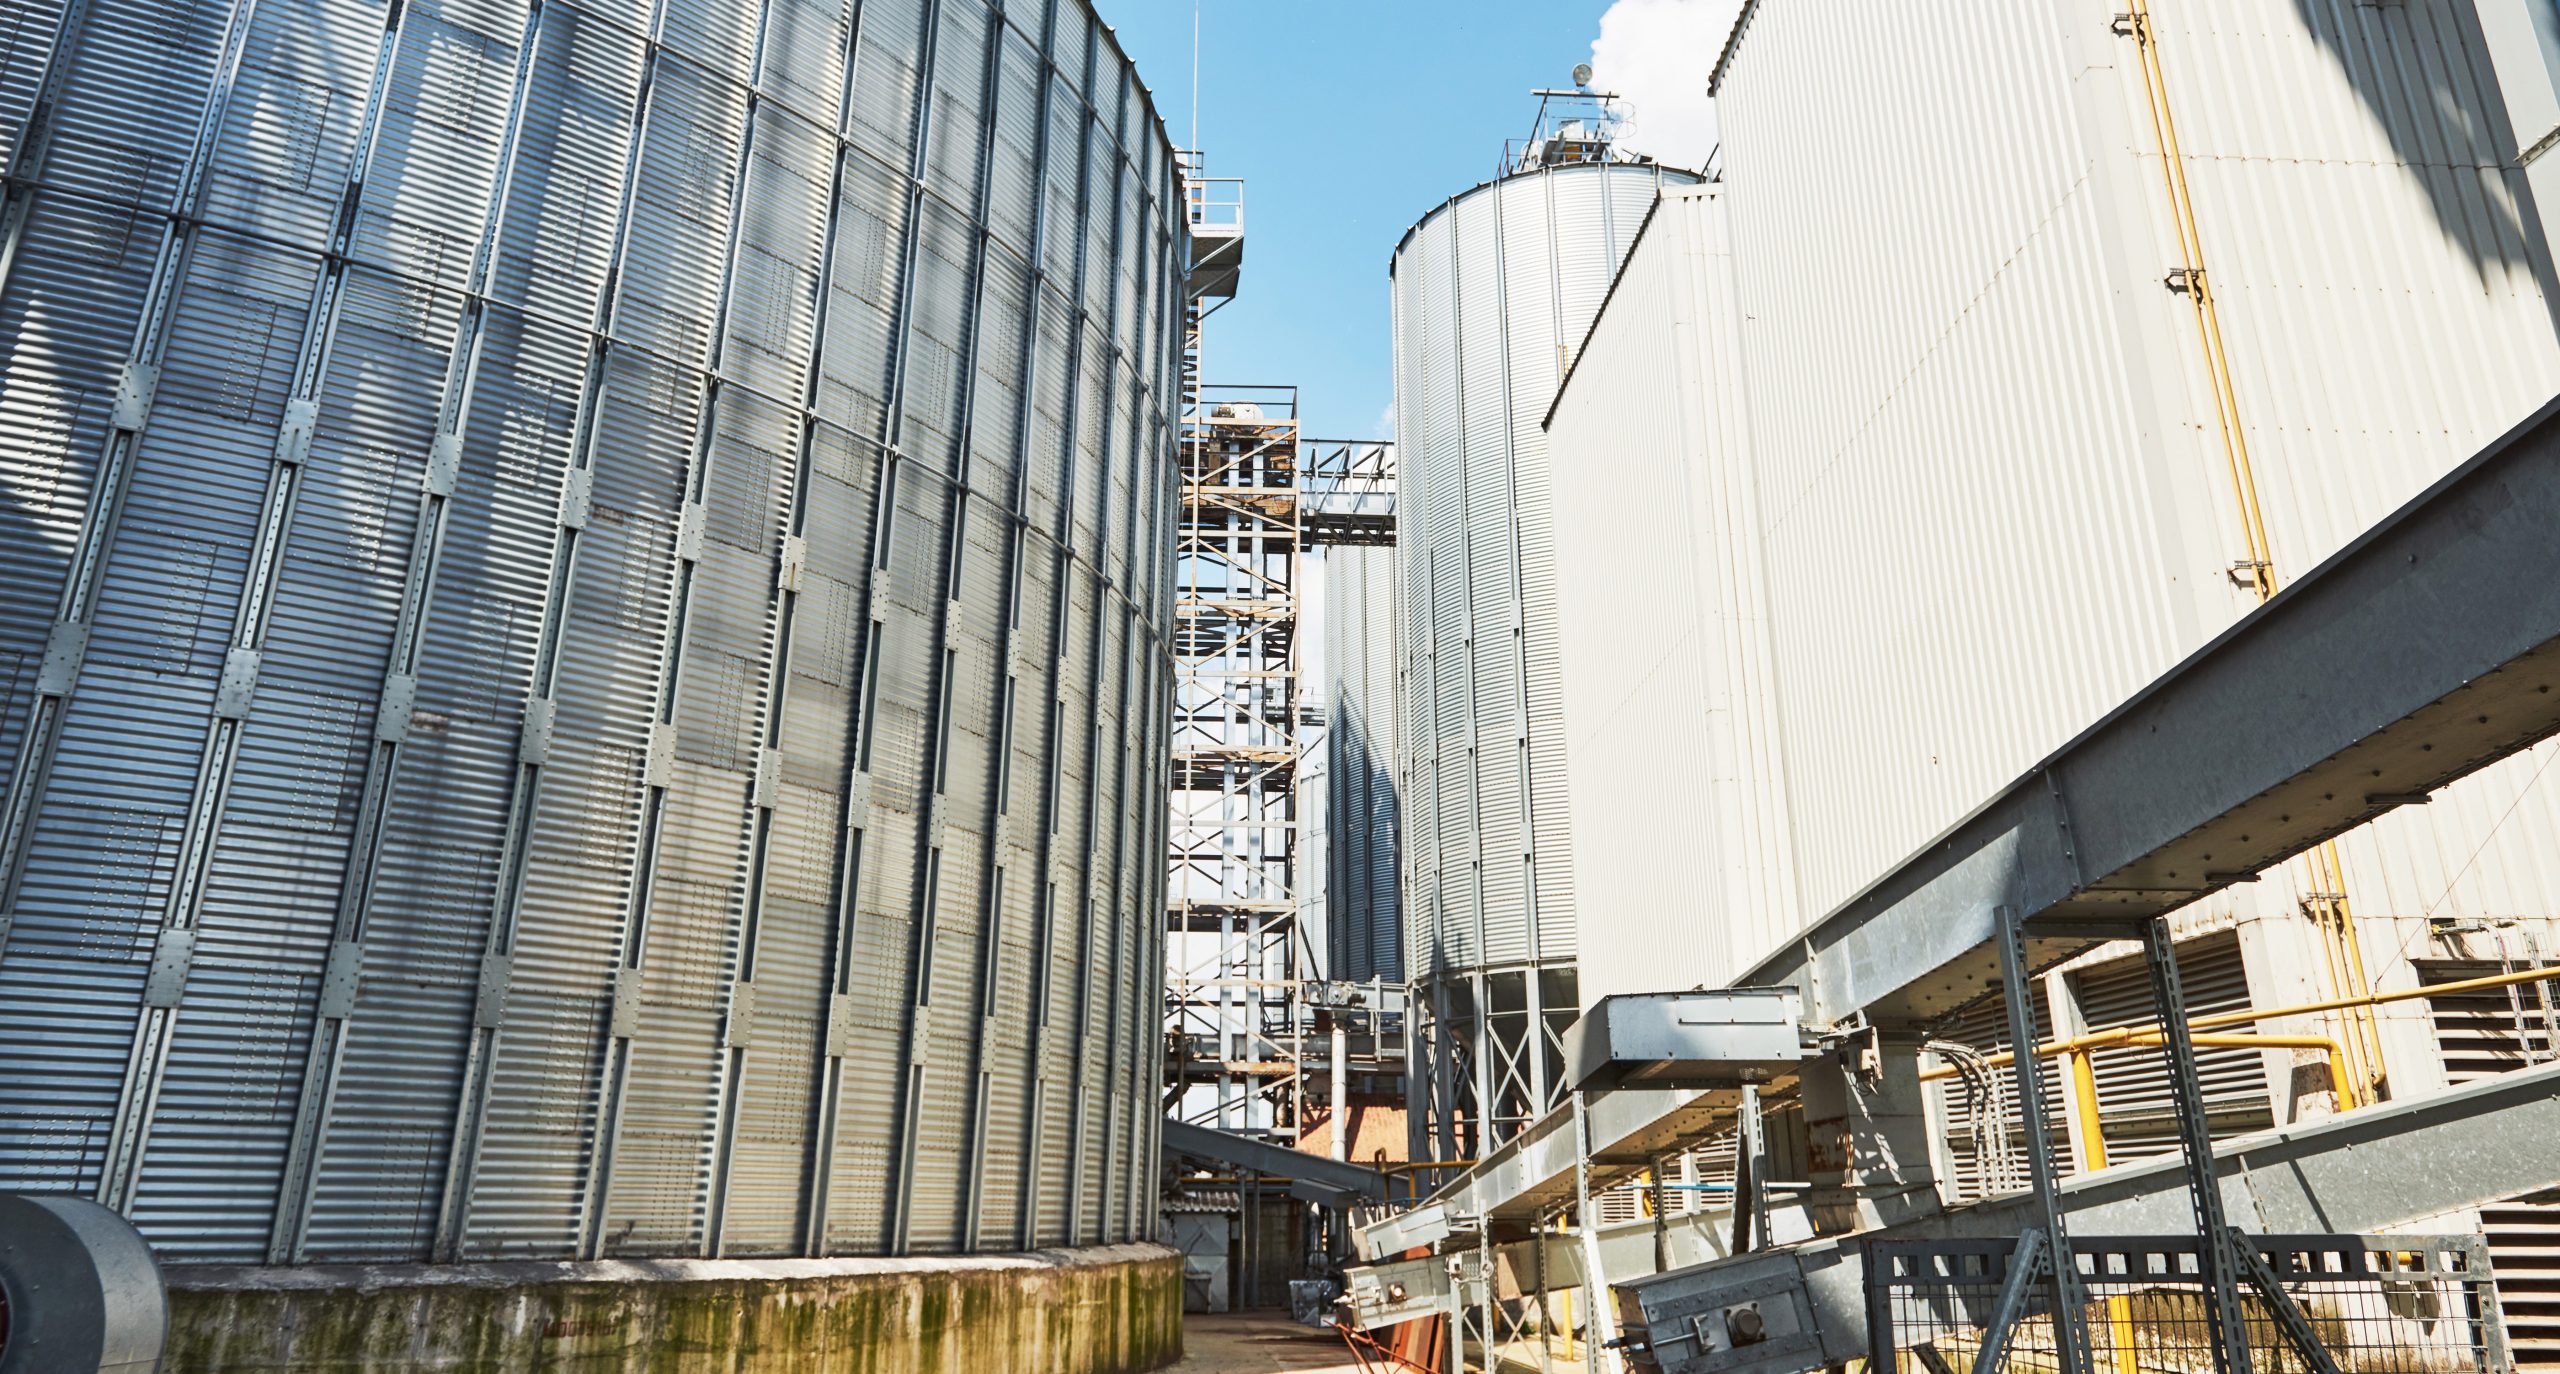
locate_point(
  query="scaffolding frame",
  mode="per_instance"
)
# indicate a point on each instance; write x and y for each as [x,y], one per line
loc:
[1237,945]
[1253,1030]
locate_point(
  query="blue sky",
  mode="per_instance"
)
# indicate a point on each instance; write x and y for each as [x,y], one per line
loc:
[1349,122]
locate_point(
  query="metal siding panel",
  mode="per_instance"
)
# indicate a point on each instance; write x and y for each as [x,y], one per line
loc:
[1363,923]
[2382,307]
[1682,867]
[1857,348]
[235,1074]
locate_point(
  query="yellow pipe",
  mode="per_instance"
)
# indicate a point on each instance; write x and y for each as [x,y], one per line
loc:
[2340,1080]
[2093,1156]
[2369,1025]
[2084,1086]
[2173,171]
[2327,874]
[2539,973]
[2119,1035]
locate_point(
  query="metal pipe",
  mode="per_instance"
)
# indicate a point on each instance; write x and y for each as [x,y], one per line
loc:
[2340,1080]
[2113,1036]
[1340,1082]
[2093,1157]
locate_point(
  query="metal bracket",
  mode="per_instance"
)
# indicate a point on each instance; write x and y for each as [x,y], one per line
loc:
[340,980]
[444,465]
[170,959]
[795,561]
[399,702]
[839,1025]
[626,1003]
[489,1010]
[768,777]
[577,498]
[741,1028]
[689,533]
[135,387]
[239,687]
[657,768]
[293,440]
[534,746]
[63,650]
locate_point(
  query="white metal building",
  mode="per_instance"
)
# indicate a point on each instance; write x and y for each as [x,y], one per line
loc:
[1958,412]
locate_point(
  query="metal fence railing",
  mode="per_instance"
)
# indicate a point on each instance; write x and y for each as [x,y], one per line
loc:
[2379,1305]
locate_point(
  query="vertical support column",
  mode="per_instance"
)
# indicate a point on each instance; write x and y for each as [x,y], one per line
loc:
[1546,1310]
[2225,1324]
[1599,1320]
[1444,1072]
[2070,1320]
[1661,1215]
[1338,1080]
[1457,1318]
[1750,1175]
[1484,1047]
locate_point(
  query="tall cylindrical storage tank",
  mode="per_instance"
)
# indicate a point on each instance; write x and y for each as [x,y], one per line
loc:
[1492,292]
[1363,925]
[582,620]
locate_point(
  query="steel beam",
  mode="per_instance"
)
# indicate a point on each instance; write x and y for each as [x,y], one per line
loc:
[1352,1181]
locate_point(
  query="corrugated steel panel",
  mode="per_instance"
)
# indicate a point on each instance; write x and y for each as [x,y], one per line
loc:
[1363,920]
[1491,292]
[497,716]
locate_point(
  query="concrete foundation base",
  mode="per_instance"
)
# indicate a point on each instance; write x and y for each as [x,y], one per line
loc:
[1104,1310]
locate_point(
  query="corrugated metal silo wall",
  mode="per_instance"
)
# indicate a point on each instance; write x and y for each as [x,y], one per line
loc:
[1364,931]
[1993,493]
[1683,873]
[583,642]
[1491,293]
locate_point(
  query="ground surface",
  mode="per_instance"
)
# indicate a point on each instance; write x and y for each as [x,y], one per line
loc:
[1259,1343]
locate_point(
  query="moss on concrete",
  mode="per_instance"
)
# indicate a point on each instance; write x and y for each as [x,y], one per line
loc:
[1110,1310]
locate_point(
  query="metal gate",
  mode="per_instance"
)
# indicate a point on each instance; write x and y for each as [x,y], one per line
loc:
[2378,1303]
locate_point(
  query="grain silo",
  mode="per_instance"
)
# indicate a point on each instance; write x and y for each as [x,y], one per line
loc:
[1363,925]
[1492,291]
[582,625]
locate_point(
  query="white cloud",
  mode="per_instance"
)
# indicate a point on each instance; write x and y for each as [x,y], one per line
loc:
[1386,426]
[1657,56]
